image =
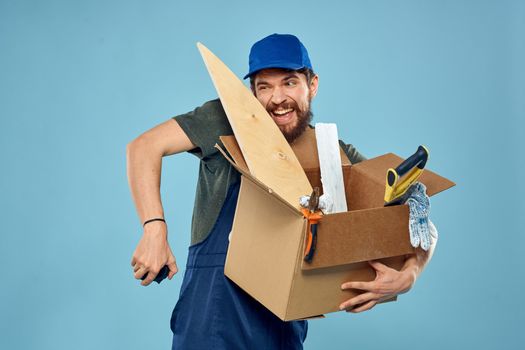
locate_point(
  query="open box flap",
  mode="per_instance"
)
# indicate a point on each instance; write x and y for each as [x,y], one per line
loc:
[305,149]
[267,153]
[376,169]
[366,184]
[233,149]
[361,235]
[231,145]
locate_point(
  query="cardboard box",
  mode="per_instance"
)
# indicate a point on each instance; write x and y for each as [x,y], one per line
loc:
[265,255]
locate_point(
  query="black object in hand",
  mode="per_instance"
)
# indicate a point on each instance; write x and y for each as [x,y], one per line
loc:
[163,273]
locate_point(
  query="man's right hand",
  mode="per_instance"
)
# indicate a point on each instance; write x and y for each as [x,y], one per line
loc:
[152,253]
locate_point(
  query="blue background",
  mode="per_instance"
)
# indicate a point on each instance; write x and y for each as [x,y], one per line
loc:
[81,79]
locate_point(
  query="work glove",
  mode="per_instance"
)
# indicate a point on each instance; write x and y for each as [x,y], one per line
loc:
[326,203]
[422,230]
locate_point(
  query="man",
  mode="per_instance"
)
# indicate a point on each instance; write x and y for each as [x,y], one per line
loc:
[212,312]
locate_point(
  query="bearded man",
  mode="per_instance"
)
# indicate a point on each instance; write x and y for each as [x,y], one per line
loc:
[212,312]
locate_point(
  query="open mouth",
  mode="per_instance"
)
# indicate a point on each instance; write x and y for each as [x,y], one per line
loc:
[282,115]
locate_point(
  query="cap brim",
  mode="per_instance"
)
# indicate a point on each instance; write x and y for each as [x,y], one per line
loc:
[274,65]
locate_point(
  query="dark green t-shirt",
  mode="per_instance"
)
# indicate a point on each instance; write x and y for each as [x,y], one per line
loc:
[203,126]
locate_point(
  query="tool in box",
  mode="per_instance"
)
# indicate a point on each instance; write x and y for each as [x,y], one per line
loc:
[399,181]
[313,214]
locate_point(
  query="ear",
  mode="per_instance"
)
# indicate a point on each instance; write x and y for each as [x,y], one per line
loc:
[314,84]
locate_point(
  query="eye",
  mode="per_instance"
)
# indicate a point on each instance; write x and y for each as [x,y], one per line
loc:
[291,83]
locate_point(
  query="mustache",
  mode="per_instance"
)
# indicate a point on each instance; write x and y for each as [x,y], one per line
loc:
[284,105]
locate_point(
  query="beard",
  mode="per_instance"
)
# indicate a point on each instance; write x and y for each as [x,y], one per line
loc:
[304,117]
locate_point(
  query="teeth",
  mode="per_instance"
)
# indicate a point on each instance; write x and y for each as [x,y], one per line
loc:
[282,111]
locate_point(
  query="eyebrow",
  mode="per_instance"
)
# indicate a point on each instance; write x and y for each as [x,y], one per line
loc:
[286,78]
[291,76]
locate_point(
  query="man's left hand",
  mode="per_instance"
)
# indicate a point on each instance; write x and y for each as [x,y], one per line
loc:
[387,284]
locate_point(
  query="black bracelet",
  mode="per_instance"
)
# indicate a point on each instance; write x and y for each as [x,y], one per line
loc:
[151,220]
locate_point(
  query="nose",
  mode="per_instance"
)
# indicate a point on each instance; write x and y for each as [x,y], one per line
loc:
[278,96]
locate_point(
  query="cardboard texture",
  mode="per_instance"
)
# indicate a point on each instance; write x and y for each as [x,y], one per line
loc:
[265,255]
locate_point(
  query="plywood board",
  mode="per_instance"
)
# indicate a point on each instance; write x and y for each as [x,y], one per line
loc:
[268,155]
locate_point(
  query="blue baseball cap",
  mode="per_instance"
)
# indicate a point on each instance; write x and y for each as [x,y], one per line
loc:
[278,51]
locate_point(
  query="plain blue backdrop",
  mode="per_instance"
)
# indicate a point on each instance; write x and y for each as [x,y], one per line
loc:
[81,79]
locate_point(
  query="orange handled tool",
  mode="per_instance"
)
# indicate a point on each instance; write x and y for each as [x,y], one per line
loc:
[313,215]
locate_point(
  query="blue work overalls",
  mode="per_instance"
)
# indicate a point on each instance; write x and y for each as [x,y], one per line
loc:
[213,312]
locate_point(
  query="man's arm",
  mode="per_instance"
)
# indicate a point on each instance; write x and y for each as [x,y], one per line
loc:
[144,164]
[388,282]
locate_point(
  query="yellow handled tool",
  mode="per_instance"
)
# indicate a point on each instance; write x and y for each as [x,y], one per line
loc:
[399,180]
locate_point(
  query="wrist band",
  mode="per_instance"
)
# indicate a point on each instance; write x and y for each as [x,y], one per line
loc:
[151,220]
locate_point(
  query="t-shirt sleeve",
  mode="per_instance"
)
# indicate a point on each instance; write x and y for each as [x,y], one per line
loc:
[352,153]
[203,126]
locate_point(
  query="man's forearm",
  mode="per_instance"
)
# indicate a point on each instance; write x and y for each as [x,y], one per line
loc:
[144,166]
[388,282]
[416,263]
